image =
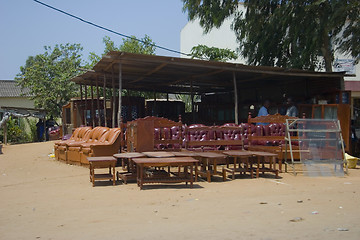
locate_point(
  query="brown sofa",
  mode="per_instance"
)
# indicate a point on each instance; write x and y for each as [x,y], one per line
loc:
[60,146]
[73,148]
[108,144]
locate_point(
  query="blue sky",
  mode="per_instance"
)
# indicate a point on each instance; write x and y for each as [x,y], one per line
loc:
[26,26]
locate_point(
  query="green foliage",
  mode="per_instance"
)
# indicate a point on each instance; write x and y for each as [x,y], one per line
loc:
[213,53]
[32,136]
[16,132]
[144,46]
[291,33]
[48,76]
[186,98]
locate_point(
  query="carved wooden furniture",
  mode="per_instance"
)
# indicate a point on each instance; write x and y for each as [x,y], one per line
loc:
[202,138]
[242,162]
[144,134]
[147,176]
[271,137]
[102,162]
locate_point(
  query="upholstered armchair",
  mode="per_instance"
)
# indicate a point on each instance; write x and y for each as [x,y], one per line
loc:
[60,147]
[73,148]
[108,144]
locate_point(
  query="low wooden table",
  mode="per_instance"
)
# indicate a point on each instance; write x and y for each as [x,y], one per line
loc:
[261,160]
[165,177]
[158,154]
[208,164]
[127,165]
[240,157]
[102,162]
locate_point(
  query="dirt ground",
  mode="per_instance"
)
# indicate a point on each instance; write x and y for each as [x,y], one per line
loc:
[41,198]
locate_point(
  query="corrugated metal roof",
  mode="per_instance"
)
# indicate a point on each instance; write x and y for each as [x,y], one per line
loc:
[8,88]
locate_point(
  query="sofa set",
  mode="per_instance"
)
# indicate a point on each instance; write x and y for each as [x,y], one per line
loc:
[87,142]
[152,133]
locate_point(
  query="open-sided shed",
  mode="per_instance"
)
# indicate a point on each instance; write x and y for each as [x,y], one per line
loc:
[121,70]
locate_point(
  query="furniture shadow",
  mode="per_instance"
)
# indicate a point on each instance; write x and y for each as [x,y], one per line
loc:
[107,183]
[170,186]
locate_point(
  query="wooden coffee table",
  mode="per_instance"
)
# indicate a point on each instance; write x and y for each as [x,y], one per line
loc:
[263,158]
[208,164]
[127,165]
[241,158]
[163,176]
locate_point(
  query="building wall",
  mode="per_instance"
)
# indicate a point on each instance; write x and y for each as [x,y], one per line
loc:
[22,102]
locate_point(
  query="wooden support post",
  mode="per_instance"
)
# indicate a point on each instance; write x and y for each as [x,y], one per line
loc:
[98,101]
[113,97]
[5,133]
[154,113]
[85,108]
[44,133]
[92,106]
[104,95]
[81,102]
[120,90]
[192,101]
[236,100]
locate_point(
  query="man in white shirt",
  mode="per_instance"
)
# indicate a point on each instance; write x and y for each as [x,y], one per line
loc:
[291,110]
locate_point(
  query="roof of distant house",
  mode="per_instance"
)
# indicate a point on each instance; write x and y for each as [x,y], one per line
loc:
[8,88]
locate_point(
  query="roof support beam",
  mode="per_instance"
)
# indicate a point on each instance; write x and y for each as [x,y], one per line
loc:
[236,100]
[113,97]
[104,94]
[149,73]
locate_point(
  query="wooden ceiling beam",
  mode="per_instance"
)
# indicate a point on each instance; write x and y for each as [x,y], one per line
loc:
[150,72]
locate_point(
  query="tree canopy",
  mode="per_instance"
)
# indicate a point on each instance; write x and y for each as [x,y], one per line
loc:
[47,76]
[213,53]
[292,33]
[142,46]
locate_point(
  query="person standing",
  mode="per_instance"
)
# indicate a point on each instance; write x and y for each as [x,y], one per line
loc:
[291,110]
[263,111]
[40,130]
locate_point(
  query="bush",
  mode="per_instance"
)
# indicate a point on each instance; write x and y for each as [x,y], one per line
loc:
[16,132]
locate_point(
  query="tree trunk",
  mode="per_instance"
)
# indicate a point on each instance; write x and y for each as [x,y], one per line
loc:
[326,51]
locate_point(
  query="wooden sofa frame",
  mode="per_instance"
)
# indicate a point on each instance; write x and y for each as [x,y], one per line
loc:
[202,144]
[280,150]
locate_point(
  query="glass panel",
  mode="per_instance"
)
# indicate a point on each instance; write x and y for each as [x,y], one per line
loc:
[330,112]
[320,146]
[317,112]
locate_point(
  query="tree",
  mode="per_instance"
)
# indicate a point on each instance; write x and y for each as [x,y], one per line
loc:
[213,53]
[292,33]
[142,46]
[132,45]
[48,75]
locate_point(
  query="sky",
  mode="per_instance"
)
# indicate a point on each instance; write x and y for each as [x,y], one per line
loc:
[26,26]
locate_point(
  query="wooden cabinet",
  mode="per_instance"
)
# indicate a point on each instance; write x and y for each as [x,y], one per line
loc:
[330,111]
[140,135]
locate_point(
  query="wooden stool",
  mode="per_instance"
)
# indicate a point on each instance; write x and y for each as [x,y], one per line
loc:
[102,162]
